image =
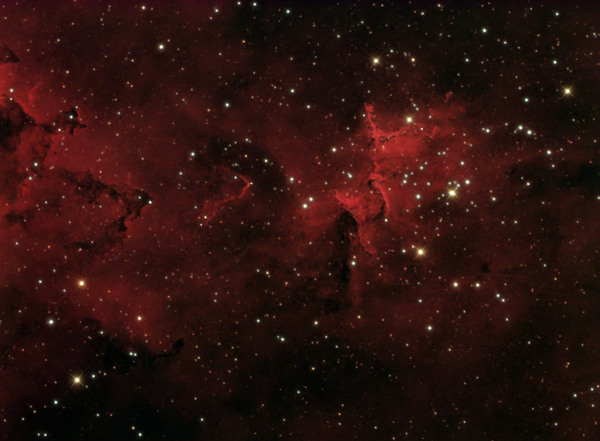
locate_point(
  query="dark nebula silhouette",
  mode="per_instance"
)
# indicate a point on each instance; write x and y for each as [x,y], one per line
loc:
[6,55]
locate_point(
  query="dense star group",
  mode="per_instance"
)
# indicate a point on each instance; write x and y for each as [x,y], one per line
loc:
[299,221]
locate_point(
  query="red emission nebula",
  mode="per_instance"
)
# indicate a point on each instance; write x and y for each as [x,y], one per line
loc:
[308,221]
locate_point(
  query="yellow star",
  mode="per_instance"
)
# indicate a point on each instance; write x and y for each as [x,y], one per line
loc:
[77,380]
[452,193]
[376,60]
[567,91]
[421,252]
[409,119]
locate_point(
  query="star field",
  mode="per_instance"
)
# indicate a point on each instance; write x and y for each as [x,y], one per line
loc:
[267,220]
